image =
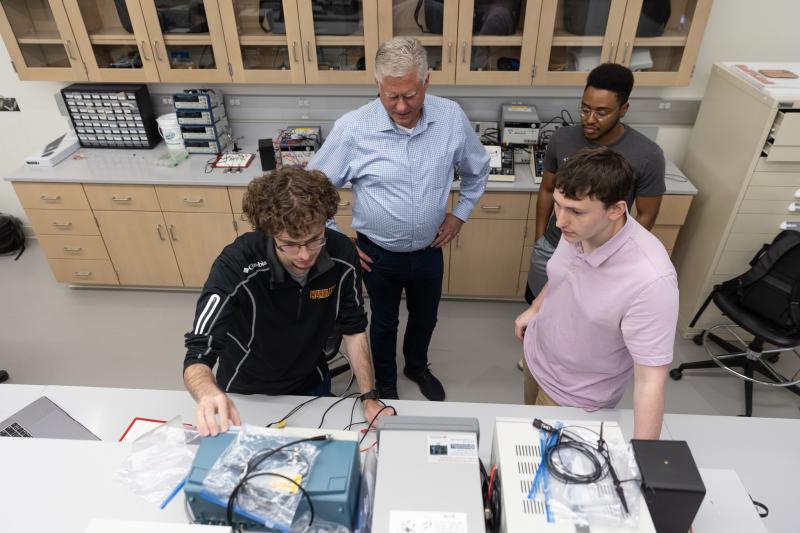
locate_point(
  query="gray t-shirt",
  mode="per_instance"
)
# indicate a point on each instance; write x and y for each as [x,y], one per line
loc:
[645,156]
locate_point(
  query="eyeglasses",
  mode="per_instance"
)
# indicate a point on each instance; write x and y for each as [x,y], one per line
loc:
[599,114]
[294,248]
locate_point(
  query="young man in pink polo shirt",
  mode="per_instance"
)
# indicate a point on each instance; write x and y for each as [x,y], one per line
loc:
[610,306]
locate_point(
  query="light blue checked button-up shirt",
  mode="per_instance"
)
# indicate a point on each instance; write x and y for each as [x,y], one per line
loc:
[401,181]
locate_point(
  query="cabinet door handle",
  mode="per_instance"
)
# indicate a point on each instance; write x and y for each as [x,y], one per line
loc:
[449,51]
[144,51]
[344,204]
[45,198]
[121,198]
[242,217]
[158,230]
[625,58]
[193,202]
[463,51]
[72,249]
[62,224]
[235,225]
[491,207]
[172,232]
[83,273]
[69,49]
[156,45]
[294,51]
[308,51]
[611,52]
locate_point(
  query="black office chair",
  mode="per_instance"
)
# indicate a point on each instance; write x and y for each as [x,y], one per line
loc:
[334,357]
[764,302]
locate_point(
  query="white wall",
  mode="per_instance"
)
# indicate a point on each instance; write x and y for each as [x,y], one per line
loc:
[738,30]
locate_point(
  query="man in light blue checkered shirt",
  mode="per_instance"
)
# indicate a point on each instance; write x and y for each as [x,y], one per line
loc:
[398,153]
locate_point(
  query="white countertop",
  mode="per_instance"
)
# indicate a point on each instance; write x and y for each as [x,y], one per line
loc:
[128,166]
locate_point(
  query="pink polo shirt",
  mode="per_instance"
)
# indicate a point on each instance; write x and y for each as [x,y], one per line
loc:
[602,312]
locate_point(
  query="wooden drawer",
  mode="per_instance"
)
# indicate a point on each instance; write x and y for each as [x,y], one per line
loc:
[769,166]
[504,205]
[787,129]
[345,224]
[530,233]
[749,223]
[775,179]
[674,208]
[525,262]
[236,194]
[51,195]
[73,247]
[346,202]
[747,242]
[733,263]
[62,222]
[108,197]
[84,271]
[532,206]
[766,207]
[786,194]
[667,235]
[194,199]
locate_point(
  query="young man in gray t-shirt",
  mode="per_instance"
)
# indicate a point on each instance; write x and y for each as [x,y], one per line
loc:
[604,104]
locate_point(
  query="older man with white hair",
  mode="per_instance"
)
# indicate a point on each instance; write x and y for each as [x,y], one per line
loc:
[398,152]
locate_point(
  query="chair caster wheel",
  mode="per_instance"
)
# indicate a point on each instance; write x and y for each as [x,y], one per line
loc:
[698,339]
[676,374]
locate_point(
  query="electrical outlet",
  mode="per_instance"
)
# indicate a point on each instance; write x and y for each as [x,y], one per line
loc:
[166,100]
[303,103]
[234,101]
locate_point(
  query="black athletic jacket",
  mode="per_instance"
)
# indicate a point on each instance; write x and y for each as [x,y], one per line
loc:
[265,331]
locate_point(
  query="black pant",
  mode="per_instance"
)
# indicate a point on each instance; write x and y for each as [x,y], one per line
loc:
[420,274]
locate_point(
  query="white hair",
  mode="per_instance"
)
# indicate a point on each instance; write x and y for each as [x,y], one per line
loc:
[399,56]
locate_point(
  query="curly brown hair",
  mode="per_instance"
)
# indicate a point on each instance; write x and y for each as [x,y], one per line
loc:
[291,199]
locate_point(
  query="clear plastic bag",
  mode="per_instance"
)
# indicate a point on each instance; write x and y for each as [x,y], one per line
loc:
[597,503]
[267,499]
[301,525]
[159,461]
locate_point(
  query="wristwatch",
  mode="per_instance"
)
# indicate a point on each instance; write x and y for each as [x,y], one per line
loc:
[371,395]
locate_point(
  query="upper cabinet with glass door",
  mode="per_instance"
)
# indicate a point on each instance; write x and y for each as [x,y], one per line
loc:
[39,40]
[188,40]
[339,40]
[574,37]
[263,38]
[113,40]
[496,41]
[433,22]
[661,38]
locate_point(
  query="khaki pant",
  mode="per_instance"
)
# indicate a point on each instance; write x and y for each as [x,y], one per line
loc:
[534,394]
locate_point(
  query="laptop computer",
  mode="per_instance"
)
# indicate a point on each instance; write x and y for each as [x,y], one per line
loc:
[44,419]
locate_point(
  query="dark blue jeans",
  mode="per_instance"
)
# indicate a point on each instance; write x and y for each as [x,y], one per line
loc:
[420,274]
[324,388]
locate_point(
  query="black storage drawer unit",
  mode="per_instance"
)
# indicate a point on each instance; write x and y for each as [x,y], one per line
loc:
[112,115]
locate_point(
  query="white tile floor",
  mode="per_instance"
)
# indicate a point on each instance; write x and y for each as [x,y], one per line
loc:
[51,334]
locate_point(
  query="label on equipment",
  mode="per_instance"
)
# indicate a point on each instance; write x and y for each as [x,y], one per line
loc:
[427,522]
[452,448]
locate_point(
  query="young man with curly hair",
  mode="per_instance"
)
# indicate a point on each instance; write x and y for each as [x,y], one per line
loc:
[272,300]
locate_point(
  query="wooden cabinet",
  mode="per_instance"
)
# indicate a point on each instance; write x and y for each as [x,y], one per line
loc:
[435,25]
[339,43]
[485,257]
[113,40]
[264,44]
[40,41]
[187,40]
[744,198]
[61,217]
[658,40]
[197,239]
[139,247]
[469,42]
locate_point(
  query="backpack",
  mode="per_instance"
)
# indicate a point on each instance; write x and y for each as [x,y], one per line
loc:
[11,236]
[771,288]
